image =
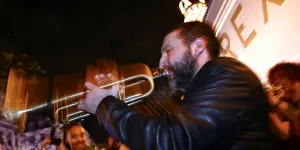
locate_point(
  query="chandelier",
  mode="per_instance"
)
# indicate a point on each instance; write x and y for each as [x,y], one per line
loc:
[193,11]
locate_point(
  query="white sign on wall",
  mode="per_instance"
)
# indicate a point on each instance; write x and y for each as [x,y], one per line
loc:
[258,32]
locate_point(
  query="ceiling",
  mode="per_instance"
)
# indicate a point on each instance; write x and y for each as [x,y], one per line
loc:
[64,36]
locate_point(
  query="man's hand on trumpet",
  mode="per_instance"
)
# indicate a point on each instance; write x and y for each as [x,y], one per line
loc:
[96,94]
[273,101]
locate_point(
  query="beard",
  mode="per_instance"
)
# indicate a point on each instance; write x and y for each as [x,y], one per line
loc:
[183,73]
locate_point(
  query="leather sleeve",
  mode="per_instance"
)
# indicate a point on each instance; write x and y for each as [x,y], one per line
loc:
[218,104]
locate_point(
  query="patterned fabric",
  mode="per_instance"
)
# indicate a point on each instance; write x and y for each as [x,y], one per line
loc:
[11,140]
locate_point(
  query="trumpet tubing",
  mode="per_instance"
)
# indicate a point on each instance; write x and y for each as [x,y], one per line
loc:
[277,91]
[130,97]
[129,100]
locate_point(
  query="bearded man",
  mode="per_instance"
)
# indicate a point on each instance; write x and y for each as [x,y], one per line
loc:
[224,105]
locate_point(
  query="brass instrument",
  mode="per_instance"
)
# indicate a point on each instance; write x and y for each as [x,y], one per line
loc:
[137,75]
[277,91]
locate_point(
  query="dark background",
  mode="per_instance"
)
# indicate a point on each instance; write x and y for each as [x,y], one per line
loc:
[64,36]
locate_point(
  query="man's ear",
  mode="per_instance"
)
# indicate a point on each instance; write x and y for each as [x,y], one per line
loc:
[198,46]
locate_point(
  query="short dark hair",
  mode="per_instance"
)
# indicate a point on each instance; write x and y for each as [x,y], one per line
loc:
[66,128]
[289,70]
[190,31]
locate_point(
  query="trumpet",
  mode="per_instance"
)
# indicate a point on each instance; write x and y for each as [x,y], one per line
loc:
[277,91]
[144,77]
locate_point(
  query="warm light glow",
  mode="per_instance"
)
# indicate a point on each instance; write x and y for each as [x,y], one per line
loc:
[259,38]
[193,12]
[184,4]
[16,98]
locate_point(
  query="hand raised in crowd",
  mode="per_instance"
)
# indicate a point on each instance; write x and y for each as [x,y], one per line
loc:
[46,142]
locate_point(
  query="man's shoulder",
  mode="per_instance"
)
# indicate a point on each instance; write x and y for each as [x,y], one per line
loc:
[226,66]
[224,62]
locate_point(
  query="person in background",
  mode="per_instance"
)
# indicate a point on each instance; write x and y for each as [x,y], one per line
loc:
[286,111]
[47,142]
[74,138]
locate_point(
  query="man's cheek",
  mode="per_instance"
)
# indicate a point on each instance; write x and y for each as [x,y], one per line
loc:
[172,61]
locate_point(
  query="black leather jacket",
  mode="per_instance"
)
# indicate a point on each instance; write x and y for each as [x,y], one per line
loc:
[224,108]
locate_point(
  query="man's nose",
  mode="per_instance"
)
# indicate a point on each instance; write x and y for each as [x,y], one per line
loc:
[82,139]
[163,62]
[78,139]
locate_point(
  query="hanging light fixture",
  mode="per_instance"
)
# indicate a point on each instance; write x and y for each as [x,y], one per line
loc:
[193,11]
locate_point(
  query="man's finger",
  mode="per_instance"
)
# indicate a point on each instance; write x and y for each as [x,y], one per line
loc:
[111,77]
[98,80]
[80,105]
[104,79]
[90,86]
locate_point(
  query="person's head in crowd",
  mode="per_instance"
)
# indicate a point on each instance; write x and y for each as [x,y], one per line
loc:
[286,75]
[74,136]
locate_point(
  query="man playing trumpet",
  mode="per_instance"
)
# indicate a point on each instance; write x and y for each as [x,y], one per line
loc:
[286,117]
[224,104]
